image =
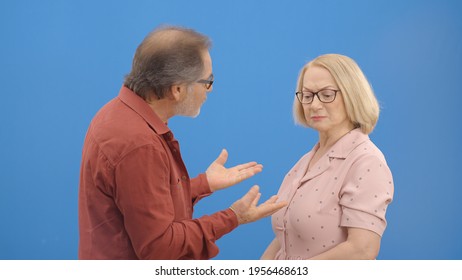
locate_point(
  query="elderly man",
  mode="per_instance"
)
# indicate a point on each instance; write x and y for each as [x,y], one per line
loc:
[136,198]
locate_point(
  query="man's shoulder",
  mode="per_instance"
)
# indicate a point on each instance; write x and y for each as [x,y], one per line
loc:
[117,130]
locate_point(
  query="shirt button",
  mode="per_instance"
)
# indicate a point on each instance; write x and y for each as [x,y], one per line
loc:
[183,178]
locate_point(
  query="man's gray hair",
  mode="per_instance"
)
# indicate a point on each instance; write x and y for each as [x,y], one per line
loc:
[168,56]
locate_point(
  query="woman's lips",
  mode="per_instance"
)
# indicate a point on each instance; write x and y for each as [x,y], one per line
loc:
[317,118]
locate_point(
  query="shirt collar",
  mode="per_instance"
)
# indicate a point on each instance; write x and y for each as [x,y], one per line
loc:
[140,106]
[345,145]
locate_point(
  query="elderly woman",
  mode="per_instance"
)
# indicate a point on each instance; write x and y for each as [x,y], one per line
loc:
[338,193]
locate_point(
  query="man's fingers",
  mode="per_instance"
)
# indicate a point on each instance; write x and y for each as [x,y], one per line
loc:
[256,199]
[242,176]
[248,165]
[222,158]
[247,210]
[271,206]
[247,173]
[250,196]
[272,199]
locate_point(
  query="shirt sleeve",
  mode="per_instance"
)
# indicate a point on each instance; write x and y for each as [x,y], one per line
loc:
[200,188]
[144,197]
[367,191]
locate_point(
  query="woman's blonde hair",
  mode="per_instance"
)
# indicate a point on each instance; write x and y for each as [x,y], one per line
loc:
[361,104]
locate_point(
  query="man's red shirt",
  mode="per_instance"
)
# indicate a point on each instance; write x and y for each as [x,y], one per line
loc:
[136,198]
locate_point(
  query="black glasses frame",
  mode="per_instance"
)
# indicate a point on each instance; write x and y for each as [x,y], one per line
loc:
[299,95]
[208,83]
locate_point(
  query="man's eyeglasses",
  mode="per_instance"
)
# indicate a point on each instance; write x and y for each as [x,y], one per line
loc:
[324,95]
[208,83]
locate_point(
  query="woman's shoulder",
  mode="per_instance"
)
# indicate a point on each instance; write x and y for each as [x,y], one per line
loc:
[368,149]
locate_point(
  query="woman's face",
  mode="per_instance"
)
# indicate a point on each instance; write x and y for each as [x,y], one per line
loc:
[324,117]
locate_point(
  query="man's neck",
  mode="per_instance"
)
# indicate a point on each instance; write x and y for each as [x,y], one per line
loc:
[163,108]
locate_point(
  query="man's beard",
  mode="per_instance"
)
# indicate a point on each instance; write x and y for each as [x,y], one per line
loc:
[188,106]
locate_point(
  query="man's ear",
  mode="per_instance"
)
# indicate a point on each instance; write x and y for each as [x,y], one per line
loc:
[176,91]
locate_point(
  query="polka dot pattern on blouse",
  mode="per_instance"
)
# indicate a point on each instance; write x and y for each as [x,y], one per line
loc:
[349,187]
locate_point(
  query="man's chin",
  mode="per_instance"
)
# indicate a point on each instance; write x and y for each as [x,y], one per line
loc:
[196,115]
[192,114]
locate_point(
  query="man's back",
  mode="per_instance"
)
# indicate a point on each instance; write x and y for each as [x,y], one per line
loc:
[115,131]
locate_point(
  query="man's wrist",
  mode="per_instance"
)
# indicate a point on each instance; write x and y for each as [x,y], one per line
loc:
[235,213]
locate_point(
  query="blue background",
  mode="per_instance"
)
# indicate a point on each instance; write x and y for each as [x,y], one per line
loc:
[62,60]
